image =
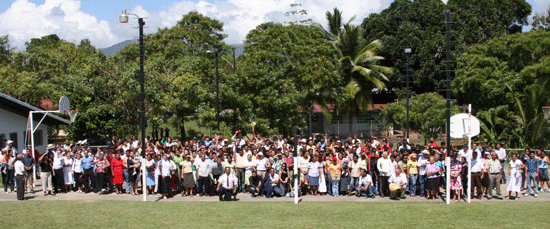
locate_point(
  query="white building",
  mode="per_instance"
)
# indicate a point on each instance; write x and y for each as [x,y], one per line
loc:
[13,123]
[363,123]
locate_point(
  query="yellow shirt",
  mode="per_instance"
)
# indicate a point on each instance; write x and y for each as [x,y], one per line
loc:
[412,167]
[334,171]
[187,167]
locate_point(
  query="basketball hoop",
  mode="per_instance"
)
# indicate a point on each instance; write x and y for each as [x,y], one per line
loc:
[72,114]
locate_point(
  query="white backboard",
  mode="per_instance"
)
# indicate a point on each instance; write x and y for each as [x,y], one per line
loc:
[462,124]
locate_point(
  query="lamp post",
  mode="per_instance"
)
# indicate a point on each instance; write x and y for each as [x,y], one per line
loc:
[124,19]
[407,53]
[217,52]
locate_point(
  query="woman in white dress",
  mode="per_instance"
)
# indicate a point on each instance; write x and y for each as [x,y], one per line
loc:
[514,172]
[68,172]
[322,183]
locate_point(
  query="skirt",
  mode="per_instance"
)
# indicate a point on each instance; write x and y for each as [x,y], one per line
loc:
[247,178]
[431,183]
[188,181]
[68,175]
[514,183]
[151,179]
[456,182]
[344,183]
[485,180]
[313,181]
[133,177]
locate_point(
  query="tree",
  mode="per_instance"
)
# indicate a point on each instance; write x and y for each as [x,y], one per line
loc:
[5,50]
[416,25]
[541,21]
[427,113]
[285,70]
[481,20]
[358,65]
[484,69]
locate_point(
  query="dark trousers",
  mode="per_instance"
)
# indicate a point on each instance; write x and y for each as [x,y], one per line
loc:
[204,185]
[253,190]
[165,184]
[99,181]
[240,177]
[384,186]
[59,181]
[476,183]
[225,194]
[88,176]
[20,179]
[8,179]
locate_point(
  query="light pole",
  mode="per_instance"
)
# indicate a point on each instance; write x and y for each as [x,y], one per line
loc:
[407,53]
[217,51]
[124,19]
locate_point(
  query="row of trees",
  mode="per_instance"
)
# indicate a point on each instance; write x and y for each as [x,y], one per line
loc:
[288,67]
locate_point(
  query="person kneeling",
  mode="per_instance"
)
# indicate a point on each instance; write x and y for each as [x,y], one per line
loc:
[365,185]
[398,184]
[227,184]
[270,184]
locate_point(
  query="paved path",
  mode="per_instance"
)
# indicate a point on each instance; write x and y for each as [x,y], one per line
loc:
[545,196]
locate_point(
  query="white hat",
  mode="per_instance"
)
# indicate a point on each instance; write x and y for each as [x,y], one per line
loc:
[260,154]
[85,142]
[303,140]
[50,146]
[10,141]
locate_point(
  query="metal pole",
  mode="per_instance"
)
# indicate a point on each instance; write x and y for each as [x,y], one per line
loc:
[217,93]
[407,97]
[469,153]
[296,175]
[32,144]
[142,112]
[309,128]
[448,35]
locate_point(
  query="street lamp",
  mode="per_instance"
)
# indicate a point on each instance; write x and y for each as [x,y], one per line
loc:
[408,51]
[217,51]
[124,19]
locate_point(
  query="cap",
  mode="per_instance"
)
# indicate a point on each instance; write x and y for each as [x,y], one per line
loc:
[299,140]
[303,140]
[10,141]
[334,159]
[225,140]
[260,154]
[50,146]
[345,164]
[413,155]
[425,152]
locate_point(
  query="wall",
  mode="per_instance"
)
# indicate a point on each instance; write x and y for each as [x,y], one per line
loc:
[358,128]
[14,123]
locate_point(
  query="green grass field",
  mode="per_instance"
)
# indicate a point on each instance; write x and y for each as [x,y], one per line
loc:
[121,214]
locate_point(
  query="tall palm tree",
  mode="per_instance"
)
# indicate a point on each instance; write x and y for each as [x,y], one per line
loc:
[358,64]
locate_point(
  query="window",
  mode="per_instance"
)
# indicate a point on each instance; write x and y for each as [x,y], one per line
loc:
[337,119]
[38,138]
[13,137]
[364,118]
[2,138]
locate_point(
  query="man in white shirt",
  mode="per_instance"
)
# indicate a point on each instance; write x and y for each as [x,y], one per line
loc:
[501,153]
[384,166]
[203,174]
[20,177]
[271,182]
[464,152]
[57,166]
[477,174]
[421,165]
[398,183]
[365,185]
[164,167]
[227,184]
[240,159]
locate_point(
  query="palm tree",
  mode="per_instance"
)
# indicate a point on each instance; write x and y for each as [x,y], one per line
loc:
[532,125]
[358,64]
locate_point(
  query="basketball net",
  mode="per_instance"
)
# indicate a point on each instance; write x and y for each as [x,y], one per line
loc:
[72,115]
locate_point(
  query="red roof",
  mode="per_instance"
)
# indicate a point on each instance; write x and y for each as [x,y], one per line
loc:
[369,108]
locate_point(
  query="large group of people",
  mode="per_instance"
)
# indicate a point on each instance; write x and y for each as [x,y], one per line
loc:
[326,165]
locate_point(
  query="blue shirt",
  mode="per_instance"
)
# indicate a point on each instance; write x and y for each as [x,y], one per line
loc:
[86,162]
[532,165]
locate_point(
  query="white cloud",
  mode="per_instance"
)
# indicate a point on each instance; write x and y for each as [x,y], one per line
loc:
[25,20]
[65,18]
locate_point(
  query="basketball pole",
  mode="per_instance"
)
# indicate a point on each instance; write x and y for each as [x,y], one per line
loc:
[469,153]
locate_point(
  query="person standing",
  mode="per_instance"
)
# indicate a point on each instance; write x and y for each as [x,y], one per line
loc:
[501,153]
[164,168]
[68,172]
[77,170]
[117,170]
[203,167]
[314,171]
[28,162]
[46,173]
[227,185]
[355,173]
[186,173]
[477,175]
[240,160]
[456,177]
[412,167]
[532,165]
[514,173]
[101,165]
[432,170]
[20,177]
[88,170]
[384,165]
[334,171]
[543,171]
[421,164]
[495,175]
[59,182]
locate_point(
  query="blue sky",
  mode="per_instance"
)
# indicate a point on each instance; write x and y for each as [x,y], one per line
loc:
[97,20]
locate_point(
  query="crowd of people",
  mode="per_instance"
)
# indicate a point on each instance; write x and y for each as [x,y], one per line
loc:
[261,167]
